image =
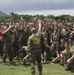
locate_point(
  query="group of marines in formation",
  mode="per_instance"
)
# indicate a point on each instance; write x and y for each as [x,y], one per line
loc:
[41,41]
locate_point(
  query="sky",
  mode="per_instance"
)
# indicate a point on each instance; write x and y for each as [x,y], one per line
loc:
[41,7]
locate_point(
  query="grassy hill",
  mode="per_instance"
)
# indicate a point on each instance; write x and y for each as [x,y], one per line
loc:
[3,14]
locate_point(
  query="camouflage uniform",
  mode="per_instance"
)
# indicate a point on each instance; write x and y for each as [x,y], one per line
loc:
[16,43]
[43,36]
[8,47]
[70,64]
[35,42]
[52,53]
[66,55]
[65,34]
[48,36]
[55,40]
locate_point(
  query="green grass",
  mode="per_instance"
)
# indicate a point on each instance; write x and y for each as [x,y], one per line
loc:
[19,69]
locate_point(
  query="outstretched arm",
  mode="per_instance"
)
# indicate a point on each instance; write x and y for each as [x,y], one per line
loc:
[40,26]
[10,26]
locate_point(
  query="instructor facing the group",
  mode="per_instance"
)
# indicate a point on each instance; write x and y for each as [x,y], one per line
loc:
[34,46]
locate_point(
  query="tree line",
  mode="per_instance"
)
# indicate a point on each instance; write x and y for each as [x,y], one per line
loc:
[29,18]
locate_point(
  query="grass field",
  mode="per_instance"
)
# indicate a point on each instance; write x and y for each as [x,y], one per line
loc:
[19,69]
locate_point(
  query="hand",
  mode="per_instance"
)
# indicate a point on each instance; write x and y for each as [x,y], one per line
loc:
[39,21]
[10,26]
[53,60]
[68,60]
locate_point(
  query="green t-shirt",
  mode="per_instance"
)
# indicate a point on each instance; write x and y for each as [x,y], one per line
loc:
[35,40]
[67,53]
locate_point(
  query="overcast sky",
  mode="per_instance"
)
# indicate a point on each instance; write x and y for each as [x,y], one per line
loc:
[45,7]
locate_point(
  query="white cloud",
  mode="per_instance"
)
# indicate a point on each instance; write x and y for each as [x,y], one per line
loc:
[47,12]
[37,6]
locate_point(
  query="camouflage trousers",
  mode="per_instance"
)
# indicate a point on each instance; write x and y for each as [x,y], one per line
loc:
[35,57]
[69,65]
[7,50]
[57,45]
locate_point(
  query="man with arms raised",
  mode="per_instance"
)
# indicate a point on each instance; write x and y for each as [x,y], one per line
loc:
[34,44]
